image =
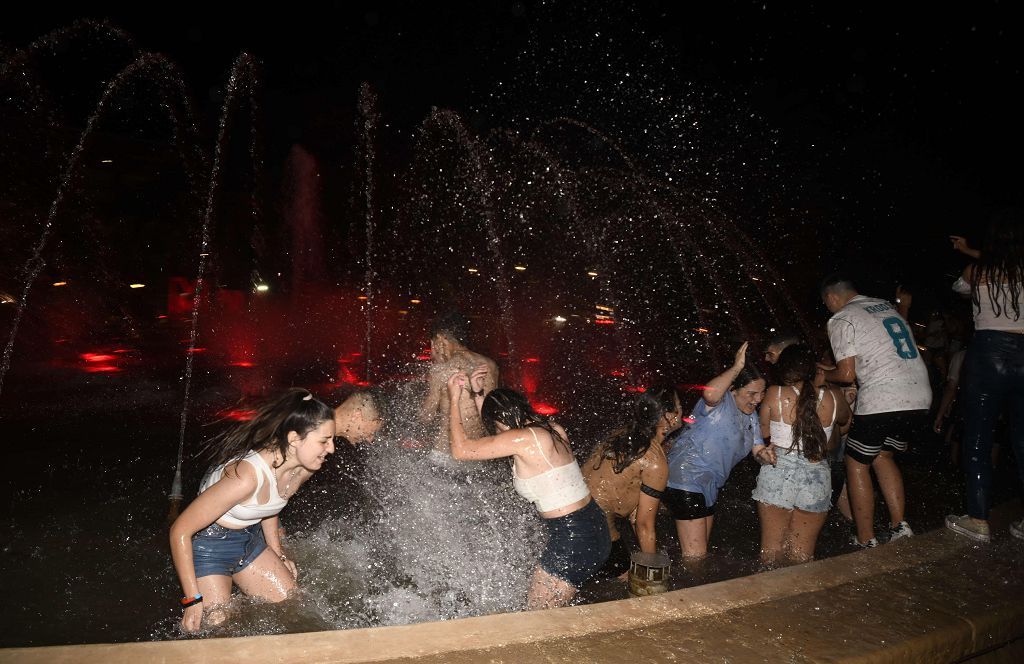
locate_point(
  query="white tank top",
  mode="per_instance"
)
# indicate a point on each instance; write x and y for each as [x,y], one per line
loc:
[782,433]
[251,511]
[554,488]
[984,317]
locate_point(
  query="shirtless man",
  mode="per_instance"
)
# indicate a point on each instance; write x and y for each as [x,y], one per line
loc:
[449,354]
[357,419]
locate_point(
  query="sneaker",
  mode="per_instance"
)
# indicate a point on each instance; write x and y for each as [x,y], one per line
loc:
[1017,529]
[969,527]
[870,544]
[900,531]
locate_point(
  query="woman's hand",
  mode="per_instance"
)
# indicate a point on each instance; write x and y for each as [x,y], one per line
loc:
[765,454]
[741,357]
[456,384]
[476,379]
[290,566]
[192,619]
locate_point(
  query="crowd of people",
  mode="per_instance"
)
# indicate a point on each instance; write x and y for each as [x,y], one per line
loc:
[864,403]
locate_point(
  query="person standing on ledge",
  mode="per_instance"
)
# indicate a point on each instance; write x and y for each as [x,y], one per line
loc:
[449,336]
[873,346]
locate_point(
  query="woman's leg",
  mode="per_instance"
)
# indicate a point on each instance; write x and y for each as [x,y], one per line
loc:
[693,536]
[774,523]
[266,578]
[803,534]
[982,400]
[216,592]
[548,591]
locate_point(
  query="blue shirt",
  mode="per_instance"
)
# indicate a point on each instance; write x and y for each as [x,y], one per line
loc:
[709,447]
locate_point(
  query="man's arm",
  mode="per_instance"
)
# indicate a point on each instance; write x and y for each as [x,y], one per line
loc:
[845,371]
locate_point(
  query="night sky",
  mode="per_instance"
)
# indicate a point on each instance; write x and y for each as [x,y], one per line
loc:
[892,128]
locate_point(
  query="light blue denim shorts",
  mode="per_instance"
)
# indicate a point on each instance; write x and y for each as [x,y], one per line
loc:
[225,551]
[795,482]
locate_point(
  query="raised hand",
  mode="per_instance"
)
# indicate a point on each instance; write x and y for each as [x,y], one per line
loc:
[741,356]
[476,379]
[456,384]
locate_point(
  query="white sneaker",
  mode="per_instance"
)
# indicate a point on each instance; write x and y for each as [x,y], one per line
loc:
[1017,529]
[899,531]
[870,544]
[967,526]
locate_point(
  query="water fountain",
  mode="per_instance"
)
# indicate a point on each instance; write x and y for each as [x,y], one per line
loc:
[381,539]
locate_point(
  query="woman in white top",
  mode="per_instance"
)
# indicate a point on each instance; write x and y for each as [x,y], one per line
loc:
[229,533]
[794,487]
[994,366]
[545,472]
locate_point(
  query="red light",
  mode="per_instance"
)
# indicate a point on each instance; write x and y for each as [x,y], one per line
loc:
[693,386]
[423,357]
[689,420]
[618,373]
[603,321]
[101,368]
[532,360]
[635,388]
[195,350]
[97,357]
[122,350]
[242,364]
[239,415]
[161,316]
[545,409]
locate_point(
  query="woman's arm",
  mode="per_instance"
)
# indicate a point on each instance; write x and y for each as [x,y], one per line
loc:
[489,447]
[720,384]
[656,477]
[272,533]
[960,244]
[209,506]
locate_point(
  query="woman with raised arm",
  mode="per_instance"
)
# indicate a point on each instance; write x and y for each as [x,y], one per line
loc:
[545,472]
[794,490]
[723,430]
[229,533]
[994,366]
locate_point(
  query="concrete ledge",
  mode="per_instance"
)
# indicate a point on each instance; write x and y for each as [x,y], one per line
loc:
[932,598]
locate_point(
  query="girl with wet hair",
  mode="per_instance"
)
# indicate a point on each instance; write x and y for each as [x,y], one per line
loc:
[229,533]
[628,471]
[794,487]
[722,431]
[545,472]
[994,366]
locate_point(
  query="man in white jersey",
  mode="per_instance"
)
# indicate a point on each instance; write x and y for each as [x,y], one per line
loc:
[873,346]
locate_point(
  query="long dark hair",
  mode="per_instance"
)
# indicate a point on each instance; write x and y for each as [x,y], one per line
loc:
[797,368]
[514,411]
[632,441]
[294,410]
[1001,264]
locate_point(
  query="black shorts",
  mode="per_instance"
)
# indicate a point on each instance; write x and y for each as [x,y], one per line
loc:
[618,560]
[686,505]
[871,434]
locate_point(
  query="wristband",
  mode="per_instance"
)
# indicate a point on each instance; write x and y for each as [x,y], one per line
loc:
[191,601]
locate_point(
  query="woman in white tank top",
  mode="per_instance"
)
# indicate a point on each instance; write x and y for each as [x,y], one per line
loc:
[229,533]
[794,487]
[545,472]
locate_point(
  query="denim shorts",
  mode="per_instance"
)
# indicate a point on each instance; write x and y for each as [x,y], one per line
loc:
[795,482]
[578,544]
[224,551]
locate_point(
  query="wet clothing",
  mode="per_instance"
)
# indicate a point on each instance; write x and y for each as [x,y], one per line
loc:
[710,446]
[578,544]
[687,505]
[993,378]
[892,432]
[618,561]
[782,433]
[554,488]
[985,317]
[891,376]
[251,511]
[225,551]
[795,483]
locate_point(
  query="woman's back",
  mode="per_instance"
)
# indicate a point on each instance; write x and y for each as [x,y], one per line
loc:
[782,406]
[619,493]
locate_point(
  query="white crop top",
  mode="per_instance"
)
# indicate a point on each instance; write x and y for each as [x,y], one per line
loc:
[251,511]
[553,489]
[984,317]
[782,433]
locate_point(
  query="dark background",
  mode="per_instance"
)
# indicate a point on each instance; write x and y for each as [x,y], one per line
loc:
[891,127]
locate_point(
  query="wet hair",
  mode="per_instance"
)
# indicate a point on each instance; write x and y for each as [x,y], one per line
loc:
[797,367]
[294,410]
[452,324]
[837,283]
[632,441]
[748,374]
[513,410]
[784,340]
[1001,263]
